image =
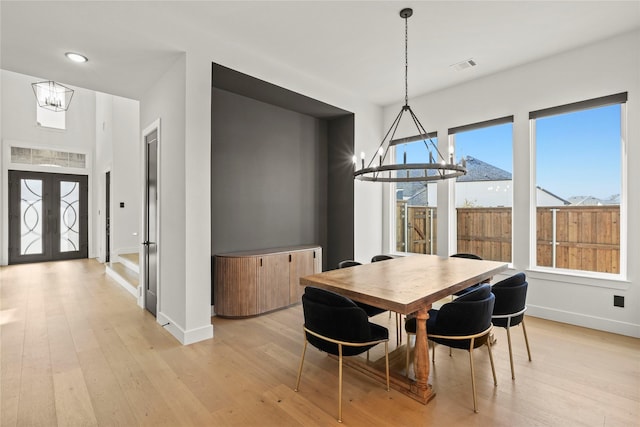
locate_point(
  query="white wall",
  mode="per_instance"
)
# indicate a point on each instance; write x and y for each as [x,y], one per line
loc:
[118,152]
[104,163]
[604,68]
[166,101]
[19,128]
[125,176]
[104,127]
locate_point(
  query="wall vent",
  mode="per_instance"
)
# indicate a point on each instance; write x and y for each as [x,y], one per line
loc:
[463,65]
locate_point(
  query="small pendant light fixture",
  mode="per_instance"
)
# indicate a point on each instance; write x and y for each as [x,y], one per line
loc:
[52,96]
[438,168]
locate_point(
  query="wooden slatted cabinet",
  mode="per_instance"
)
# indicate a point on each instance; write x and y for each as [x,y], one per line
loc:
[249,283]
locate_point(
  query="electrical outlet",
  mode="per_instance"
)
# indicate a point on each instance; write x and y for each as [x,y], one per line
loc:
[618,301]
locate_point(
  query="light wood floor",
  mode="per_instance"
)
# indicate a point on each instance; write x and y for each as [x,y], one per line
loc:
[76,351]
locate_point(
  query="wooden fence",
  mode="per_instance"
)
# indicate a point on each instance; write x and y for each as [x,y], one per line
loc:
[572,237]
[416,229]
[579,238]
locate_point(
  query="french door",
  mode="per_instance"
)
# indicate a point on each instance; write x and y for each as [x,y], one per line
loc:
[48,217]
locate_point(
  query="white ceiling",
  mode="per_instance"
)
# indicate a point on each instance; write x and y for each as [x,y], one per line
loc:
[357,46]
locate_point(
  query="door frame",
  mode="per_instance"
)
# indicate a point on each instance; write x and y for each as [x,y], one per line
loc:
[154,126]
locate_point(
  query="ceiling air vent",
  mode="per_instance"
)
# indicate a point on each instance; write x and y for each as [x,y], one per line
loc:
[464,65]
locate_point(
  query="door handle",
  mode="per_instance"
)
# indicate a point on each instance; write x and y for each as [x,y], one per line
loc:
[147,243]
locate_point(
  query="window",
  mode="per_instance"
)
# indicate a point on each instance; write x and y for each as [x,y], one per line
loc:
[51,119]
[484,196]
[579,185]
[415,202]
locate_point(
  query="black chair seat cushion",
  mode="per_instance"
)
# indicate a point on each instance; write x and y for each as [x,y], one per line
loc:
[336,316]
[511,295]
[467,315]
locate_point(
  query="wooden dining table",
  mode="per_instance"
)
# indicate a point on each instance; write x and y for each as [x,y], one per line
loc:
[407,285]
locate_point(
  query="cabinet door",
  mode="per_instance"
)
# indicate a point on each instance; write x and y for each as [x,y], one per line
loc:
[303,263]
[235,286]
[273,282]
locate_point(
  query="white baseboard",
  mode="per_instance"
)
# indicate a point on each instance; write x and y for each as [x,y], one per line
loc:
[185,337]
[579,319]
[115,276]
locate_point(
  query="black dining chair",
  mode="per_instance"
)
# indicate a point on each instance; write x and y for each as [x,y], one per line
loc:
[382,257]
[511,298]
[472,287]
[464,323]
[336,325]
[369,309]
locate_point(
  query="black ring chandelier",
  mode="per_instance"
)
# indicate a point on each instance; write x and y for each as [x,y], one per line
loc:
[438,167]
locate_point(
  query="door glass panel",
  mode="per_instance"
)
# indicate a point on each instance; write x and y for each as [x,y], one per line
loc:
[31,214]
[69,221]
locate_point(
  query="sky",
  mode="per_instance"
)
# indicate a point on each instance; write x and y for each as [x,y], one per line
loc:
[577,154]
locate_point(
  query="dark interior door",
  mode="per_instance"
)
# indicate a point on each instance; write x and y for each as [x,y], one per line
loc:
[107,216]
[48,217]
[151,214]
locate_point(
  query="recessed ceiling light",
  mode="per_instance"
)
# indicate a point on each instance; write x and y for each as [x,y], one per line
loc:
[76,57]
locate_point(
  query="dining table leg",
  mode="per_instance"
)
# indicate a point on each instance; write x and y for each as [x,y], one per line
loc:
[421,357]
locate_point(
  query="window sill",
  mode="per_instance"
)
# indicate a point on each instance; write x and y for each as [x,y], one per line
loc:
[586,278]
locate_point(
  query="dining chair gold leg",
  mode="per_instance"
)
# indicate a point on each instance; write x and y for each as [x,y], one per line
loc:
[526,340]
[493,367]
[399,323]
[513,375]
[304,349]
[386,356]
[433,352]
[473,377]
[340,383]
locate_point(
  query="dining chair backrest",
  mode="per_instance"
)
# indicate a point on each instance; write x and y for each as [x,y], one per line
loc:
[511,297]
[466,255]
[334,316]
[377,258]
[348,263]
[467,315]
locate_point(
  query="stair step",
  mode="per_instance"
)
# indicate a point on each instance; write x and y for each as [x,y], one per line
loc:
[131,261]
[126,273]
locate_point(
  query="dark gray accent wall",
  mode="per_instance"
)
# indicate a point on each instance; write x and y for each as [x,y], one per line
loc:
[281,169]
[269,175]
[340,220]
